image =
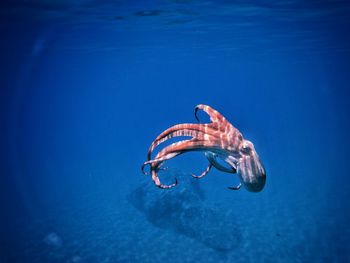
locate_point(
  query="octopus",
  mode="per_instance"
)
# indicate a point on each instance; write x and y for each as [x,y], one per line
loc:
[222,144]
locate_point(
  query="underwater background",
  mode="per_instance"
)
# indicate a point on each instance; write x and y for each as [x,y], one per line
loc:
[87,85]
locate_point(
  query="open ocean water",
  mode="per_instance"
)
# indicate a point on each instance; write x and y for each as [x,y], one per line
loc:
[87,85]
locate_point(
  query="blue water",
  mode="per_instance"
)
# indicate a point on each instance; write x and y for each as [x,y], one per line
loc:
[86,86]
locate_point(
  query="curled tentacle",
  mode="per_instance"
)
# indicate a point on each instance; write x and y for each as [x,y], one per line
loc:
[218,122]
[195,113]
[162,156]
[214,115]
[157,182]
[204,173]
[235,187]
[212,158]
[157,162]
[143,168]
[161,161]
[155,167]
[172,151]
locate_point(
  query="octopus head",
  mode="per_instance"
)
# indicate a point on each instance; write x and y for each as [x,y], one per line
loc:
[250,169]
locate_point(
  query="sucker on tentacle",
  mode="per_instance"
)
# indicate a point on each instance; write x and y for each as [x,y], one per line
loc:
[218,139]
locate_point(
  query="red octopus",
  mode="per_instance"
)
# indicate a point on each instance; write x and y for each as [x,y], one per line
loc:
[218,140]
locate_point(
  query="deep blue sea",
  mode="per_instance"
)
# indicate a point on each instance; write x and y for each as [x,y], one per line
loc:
[87,85]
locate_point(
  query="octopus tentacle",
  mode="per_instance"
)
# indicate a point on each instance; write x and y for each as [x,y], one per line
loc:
[167,153]
[212,158]
[172,151]
[214,115]
[185,146]
[230,161]
[198,131]
[204,173]
[235,187]
[155,167]
[156,163]
[218,121]
[157,182]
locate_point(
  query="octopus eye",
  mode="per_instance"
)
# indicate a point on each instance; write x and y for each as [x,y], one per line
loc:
[245,149]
